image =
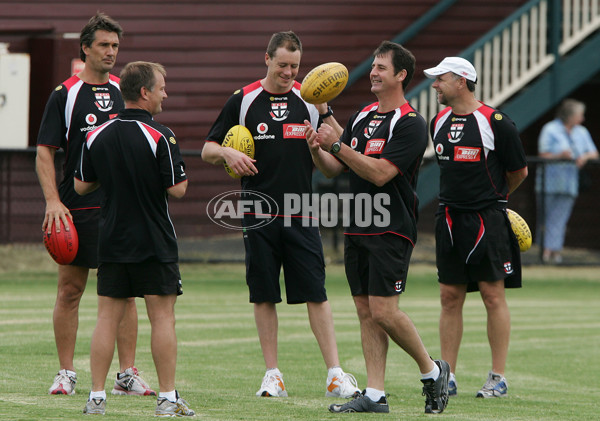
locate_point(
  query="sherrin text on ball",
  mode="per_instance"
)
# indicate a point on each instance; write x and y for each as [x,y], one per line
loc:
[324,83]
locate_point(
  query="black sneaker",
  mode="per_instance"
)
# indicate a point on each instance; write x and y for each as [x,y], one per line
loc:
[361,403]
[436,391]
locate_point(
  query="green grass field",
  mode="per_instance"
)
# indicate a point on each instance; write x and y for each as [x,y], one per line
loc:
[552,368]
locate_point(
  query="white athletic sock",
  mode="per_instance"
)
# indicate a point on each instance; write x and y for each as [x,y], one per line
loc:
[70,373]
[171,396]
[433,374]
[273,371]
[334,372]
[374,394]
[98,394]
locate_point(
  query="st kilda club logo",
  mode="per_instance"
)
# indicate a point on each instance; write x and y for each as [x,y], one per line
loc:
[456,132]
[279,111]
[103,101]
[370,129]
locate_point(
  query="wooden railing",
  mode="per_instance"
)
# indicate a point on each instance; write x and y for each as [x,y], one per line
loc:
[581,19]
[519,49]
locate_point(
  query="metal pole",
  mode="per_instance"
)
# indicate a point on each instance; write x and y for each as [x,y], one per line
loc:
[542,211]
[555,39]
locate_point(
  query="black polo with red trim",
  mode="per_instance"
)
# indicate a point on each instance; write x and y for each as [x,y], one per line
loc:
[474,152]
[276,122]
[72,111]
[400,137]
[135,159]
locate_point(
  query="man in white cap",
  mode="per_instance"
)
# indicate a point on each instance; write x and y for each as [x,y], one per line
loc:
[457,65]
[481,161]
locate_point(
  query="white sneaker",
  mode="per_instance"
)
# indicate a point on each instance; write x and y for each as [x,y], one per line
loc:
[341,386]
[272,385]
[96,406]
[452,385]
[166,408]
[129,382]
[496,386]
[64,384]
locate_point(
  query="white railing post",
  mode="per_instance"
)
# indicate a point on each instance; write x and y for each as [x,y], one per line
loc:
[543,29]
[506,56]
[580,19]
[514,56]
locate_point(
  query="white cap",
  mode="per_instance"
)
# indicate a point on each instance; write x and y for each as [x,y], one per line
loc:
[457,65]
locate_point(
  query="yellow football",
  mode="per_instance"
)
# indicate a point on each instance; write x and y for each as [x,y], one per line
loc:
[520,228]
[324,83]
[240,138]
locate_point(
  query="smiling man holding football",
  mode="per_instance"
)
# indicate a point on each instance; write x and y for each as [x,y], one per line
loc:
[274,112]
[382,147]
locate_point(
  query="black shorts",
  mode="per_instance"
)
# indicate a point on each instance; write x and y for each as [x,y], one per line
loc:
[298,249]
[476,246]
[123,280]
[377,264]
[86,223]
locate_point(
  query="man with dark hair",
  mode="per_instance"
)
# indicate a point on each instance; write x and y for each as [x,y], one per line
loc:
[78,105]
[138,164]
[274,112]
[382,147]
[481,161]
[98,22]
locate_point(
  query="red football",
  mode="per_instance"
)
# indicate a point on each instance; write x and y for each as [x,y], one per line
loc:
[62,246]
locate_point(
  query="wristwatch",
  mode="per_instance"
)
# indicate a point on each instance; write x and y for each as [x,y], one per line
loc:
[329,113]
[336,146]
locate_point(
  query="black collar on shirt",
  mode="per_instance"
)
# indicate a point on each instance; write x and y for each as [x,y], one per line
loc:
[134,113]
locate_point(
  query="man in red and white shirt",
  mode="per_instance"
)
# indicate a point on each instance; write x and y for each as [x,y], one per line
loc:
[382,147]
[138,164]
[75,107]
[274,113]
[481,161]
